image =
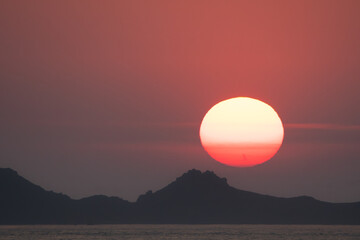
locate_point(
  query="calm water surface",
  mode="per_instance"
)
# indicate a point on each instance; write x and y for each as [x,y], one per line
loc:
[149,232]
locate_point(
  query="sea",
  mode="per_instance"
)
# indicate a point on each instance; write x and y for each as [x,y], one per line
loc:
[198,232]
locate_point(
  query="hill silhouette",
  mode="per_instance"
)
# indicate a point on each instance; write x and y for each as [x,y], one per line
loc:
[195,197]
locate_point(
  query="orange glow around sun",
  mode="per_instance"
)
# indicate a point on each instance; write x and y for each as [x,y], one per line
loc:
[241,132]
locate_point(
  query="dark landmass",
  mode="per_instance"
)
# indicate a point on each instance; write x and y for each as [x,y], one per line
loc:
[193,198]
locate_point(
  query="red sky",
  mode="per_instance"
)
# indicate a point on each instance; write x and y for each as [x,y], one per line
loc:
[106,97]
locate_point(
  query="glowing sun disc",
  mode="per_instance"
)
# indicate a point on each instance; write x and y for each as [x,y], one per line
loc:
[241,132]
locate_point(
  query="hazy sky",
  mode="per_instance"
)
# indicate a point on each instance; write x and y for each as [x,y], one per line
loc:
[106,97]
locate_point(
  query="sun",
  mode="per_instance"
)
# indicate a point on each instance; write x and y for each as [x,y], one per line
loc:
[241,132]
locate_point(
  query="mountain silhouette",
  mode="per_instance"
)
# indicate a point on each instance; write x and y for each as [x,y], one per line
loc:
[194,198]
[22,202]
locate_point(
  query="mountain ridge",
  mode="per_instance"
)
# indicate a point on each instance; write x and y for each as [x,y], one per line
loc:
[194,197]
